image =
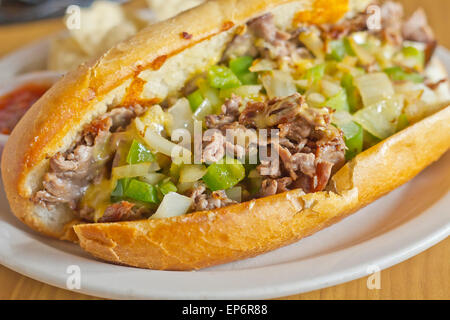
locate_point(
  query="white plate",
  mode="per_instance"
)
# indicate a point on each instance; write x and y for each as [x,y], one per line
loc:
[396,227]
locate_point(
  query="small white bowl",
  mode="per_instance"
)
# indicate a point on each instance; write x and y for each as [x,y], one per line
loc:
[38,77]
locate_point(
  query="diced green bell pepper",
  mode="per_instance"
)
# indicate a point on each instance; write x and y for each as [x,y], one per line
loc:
[119,191]
[224,174]
[240,67]
[139,153]
[369,139]
[351,91]
[338,102]
[167,186]
[141,191]
[402,122]
[338,50]
[353,135]
[316,73]
[398,74]
[221,77]
[195,100]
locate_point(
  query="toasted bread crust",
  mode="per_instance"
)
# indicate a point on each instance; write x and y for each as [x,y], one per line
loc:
[54,122]
[244,230]
[216,236]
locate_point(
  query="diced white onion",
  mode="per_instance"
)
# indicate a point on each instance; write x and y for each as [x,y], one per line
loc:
[234,193]
[153,178]
[374,87]
[380,119]
[185,186]
[181,115]
[363,55]
[172,205]
[278,84]
[315,99]
[192,172]
[313,42]
[330,88]
[262,65]
[134,170]
[164,146]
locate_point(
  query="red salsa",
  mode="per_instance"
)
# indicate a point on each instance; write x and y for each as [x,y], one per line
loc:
[14,104]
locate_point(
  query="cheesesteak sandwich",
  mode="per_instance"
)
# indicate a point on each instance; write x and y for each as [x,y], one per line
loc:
[230,130]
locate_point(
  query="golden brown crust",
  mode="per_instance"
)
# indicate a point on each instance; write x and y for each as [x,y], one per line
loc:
[54,122]
[255,227]
[221,235]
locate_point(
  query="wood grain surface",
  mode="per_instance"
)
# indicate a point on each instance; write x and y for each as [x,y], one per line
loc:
[425,276]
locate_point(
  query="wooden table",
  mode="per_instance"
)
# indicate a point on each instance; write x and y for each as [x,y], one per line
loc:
[425,276]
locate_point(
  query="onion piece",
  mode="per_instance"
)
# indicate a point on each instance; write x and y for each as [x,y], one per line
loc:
[330,88]
[192,172]
[182,116]
[313,42]
[155,118]
[380,119]
[278,84]
[363,55]
[172,205]
[374,87]
[262,65]
[134,170]
[164,146]
[153,178]
[234,193]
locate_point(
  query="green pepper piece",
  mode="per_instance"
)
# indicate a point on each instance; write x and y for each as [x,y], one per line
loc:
[167,186]
[141,191]
[241,64]
[338,102]
[221,77]
[348,47]
[369,140]
[352,92]
[240,67]
[402,122]
[119,191]
[315,73]
[224,174]
[353,135]
[195,99]
[139,153]
[398,74]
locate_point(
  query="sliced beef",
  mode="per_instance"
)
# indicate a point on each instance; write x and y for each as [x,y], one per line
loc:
[120,211]
[241,45]
[230,113]
[71,172]
[270,187]
[278,43]
[206,200]
[273,112]
[214,148]
[309,148]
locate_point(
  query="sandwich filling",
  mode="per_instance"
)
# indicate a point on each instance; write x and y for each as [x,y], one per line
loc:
[282,110]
